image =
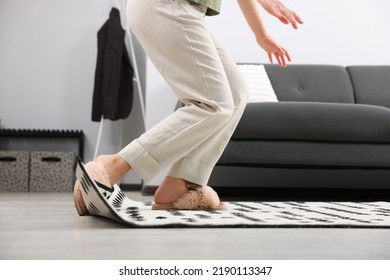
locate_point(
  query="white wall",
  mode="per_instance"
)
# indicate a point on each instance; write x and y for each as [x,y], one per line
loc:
[47,63]
[48,57]
[335,32]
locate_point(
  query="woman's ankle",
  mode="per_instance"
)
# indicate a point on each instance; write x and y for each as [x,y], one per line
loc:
[170,190]
[115,166]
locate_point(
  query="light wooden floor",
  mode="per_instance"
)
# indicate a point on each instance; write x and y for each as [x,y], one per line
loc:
[46,226]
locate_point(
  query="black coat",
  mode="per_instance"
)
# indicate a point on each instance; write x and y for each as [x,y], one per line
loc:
[113,89]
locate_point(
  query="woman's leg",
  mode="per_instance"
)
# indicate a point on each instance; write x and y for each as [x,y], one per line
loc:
[176,40]
[207,154]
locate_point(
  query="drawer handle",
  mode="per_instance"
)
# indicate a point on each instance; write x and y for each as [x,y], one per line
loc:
[51,159]
[8,159]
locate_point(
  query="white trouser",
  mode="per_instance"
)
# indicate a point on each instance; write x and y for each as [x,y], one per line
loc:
[203,76]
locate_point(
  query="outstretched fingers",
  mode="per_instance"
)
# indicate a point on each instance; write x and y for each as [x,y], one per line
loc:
[281,12]
[282,56]
[293,19]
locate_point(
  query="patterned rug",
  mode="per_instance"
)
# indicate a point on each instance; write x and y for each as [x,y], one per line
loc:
[113,204]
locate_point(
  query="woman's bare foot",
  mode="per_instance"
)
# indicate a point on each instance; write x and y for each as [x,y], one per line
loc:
[115,167]
[170,190]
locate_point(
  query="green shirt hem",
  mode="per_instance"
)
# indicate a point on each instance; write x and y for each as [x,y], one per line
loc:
[213,6]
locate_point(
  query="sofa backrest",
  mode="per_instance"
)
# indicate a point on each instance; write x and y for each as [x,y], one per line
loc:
[371,84]
[312,83]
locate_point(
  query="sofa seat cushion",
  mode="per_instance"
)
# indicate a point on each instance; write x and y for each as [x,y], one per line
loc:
[314,121]
[302,153]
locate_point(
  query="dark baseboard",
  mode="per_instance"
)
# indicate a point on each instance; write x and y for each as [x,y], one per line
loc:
[131,187]
[149,190]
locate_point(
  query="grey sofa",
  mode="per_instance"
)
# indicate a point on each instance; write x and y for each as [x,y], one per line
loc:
[330,129]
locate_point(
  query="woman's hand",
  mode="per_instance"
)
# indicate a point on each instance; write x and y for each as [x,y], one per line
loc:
[251,12]
[280,11]
[273,49]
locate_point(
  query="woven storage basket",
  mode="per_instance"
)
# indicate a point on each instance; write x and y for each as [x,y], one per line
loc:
[14,171]
[52,172]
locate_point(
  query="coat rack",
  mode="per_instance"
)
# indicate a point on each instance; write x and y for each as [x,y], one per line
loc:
[136,79]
